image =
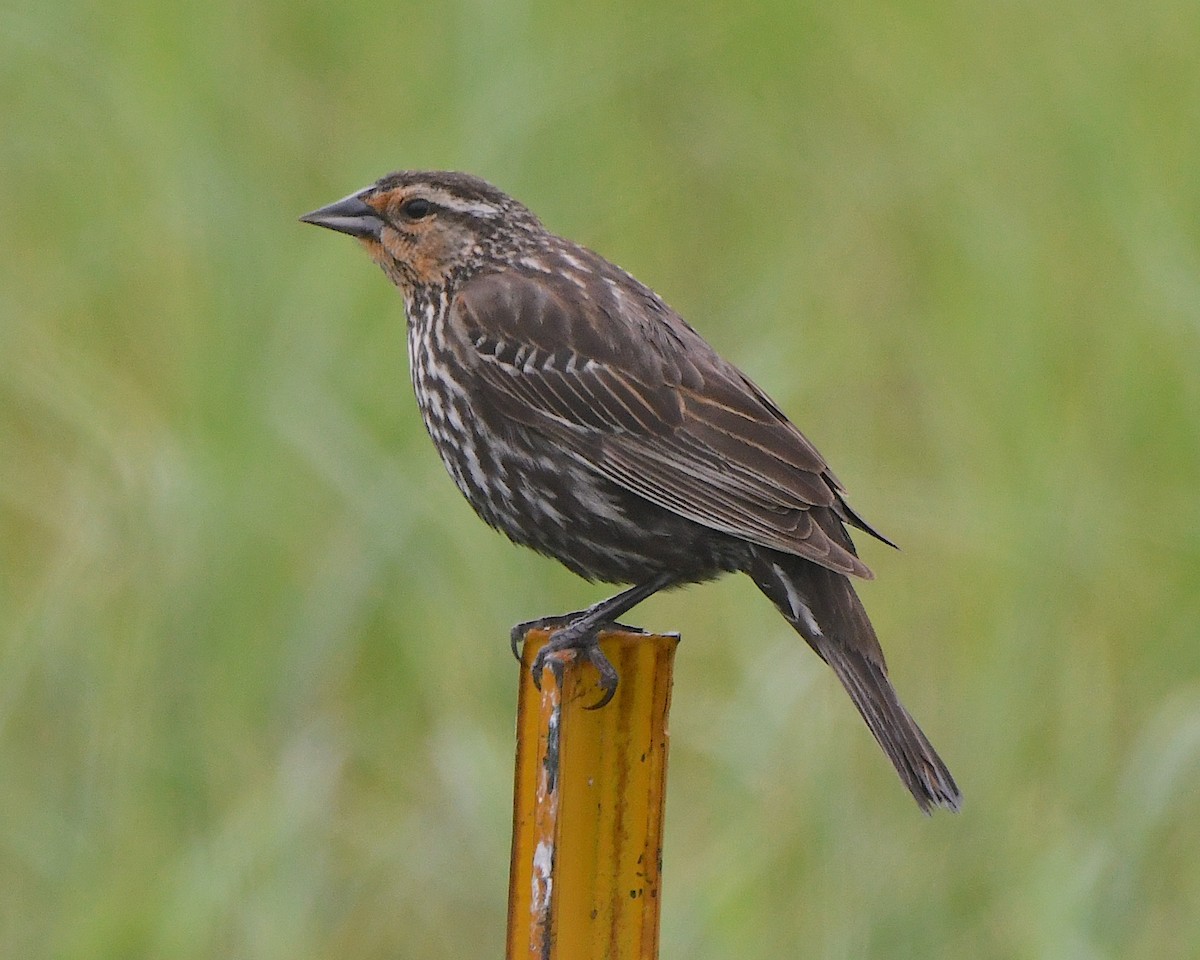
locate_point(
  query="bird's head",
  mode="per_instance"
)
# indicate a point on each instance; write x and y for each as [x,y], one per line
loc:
[427,228]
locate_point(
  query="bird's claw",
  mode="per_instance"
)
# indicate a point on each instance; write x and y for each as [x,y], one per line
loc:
[587,645]
[516,640]
[516,636]
[607,672]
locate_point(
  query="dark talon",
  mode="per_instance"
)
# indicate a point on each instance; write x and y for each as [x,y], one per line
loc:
[517,635]
[586,644]
[608,675]
[539,666]
[580,632]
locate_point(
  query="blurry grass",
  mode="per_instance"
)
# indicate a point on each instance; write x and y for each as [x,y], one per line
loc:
[255,698]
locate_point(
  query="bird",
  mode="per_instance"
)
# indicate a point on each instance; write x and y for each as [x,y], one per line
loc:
[584,418]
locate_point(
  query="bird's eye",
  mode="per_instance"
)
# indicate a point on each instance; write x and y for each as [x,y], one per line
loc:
[416,209]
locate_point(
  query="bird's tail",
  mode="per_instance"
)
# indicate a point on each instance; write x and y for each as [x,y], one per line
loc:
[824,609]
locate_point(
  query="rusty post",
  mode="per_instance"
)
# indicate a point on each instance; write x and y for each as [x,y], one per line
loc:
[589,790]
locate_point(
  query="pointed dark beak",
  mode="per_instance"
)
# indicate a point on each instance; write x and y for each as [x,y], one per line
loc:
[349,215]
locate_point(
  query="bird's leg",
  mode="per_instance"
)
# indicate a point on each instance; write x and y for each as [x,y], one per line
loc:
[610,608]
[580,632]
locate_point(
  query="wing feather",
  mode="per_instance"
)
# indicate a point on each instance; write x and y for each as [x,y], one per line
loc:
[655,411]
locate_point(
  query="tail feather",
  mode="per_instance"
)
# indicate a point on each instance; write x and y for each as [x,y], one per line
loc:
[824,609]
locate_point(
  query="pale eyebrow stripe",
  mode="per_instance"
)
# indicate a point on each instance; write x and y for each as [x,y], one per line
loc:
[449,201]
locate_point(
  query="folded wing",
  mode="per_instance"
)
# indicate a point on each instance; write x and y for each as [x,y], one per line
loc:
[630,389]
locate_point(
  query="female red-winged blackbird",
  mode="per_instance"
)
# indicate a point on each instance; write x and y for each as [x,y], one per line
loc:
[583,417]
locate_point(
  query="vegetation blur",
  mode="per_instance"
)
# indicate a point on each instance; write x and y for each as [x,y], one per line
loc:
[256,697]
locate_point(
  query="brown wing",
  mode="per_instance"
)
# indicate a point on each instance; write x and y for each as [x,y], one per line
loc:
[629,388]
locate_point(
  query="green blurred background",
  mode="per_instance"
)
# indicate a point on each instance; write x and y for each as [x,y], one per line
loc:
[256,699]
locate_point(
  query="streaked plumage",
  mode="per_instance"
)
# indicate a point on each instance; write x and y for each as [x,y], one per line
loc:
[583,417]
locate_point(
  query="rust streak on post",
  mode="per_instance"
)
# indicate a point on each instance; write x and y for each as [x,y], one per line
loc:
[589,792]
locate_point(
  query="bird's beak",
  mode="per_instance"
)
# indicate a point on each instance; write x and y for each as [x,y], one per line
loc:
[349,215]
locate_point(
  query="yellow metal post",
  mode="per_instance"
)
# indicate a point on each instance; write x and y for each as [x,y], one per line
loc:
[589,790]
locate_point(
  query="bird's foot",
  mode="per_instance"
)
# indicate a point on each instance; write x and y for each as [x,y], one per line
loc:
[579,633]
[582,639]
[516,638]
